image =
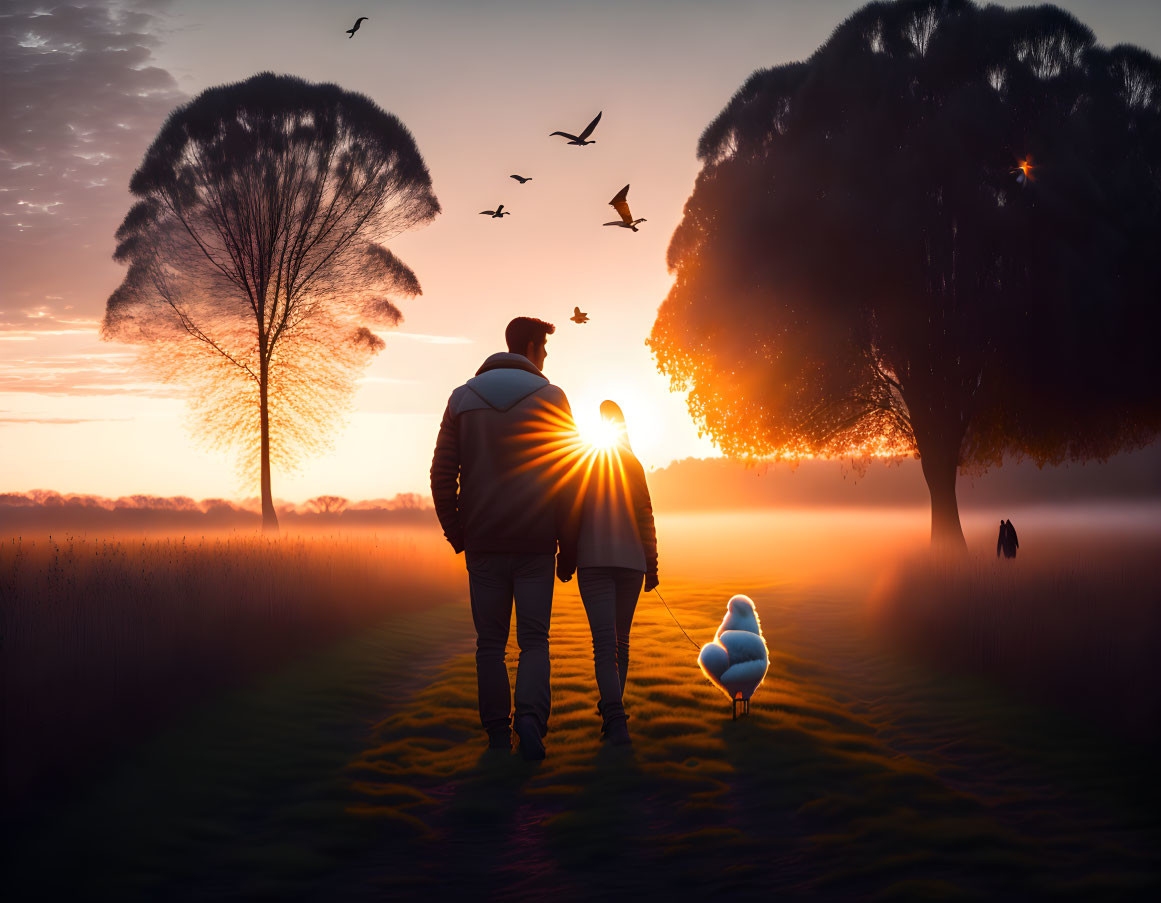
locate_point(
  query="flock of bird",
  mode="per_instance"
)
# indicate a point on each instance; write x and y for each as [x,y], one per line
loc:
[620,201]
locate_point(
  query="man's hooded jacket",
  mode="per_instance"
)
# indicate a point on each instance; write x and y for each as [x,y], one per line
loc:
[496,477]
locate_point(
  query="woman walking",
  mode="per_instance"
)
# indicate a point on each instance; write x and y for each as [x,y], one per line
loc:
[616,549]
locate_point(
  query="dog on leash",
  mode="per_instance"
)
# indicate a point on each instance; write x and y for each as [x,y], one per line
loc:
[737,660]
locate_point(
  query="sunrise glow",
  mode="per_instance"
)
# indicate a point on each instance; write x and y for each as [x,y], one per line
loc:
[600,434]
[406,410]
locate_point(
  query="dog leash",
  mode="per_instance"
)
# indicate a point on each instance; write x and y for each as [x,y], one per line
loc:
[675,621]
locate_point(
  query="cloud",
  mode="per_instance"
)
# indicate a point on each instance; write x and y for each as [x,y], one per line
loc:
[65,421]
[82,373]
[32,321]
[81,102]
[430,339]
[389,380]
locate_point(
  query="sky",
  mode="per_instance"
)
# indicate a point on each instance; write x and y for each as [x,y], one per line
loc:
[480,84]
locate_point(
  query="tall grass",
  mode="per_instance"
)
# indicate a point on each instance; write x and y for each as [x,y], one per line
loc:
[103,638]
[1078,626]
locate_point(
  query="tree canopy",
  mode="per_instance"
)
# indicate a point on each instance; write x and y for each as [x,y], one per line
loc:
[937,236]
[256,259]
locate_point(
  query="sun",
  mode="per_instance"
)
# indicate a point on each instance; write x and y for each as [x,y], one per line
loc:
[600,434]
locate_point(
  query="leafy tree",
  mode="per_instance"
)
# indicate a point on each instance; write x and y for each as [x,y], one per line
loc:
[936,236]
[257,261]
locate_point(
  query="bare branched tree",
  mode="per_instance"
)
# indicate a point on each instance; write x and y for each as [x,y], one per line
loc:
[329,504]
[257,262]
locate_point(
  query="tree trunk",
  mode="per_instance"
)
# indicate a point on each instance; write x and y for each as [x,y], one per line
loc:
[269,515]
[940,463]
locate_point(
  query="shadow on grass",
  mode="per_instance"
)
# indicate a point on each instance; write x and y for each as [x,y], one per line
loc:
[354,778]
[247,796]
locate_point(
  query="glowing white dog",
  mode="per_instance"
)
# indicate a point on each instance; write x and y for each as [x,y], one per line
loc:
[737,660]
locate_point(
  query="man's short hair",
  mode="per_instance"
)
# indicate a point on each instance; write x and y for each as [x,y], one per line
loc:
[523,330]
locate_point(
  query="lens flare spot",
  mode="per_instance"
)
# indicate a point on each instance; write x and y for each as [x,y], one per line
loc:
[600,433]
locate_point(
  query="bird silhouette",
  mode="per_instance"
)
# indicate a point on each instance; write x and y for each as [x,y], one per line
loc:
[621,204]
[359,21]
[579,316]
[520,179]
[580,140]
[497,213]
[1024,169]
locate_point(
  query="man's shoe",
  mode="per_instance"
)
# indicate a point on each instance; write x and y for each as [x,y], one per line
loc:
[531,746]
[618,733]
[500,738]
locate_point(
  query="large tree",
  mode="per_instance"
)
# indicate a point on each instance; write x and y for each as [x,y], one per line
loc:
[938,235]
[257,262]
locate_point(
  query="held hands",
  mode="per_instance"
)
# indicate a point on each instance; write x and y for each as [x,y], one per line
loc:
[564,569]
[651,582]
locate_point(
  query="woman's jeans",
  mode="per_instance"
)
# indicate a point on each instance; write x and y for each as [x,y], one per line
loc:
[610,598]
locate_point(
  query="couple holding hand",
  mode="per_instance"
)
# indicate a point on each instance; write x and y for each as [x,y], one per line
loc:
[514,487]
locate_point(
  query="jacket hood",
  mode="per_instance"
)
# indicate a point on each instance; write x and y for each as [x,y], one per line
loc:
[503,380]
[508,361]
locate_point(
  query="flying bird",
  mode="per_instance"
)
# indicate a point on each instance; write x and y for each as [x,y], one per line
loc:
[581,139]
[579,316]
[520,179]
[621,204]
[1024,169]
[359,21]
[498,213]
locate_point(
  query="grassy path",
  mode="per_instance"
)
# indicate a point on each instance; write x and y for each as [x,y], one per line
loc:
[361,774]
[854,776]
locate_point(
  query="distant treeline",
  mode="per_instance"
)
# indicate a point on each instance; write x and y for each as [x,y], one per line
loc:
[695,484]
[43,509]
[691,484]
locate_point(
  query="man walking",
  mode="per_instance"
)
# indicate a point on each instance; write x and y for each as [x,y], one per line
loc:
[496,500]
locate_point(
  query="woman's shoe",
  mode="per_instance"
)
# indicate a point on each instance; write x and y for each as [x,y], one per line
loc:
[531,746]
[500,738]
[618,733]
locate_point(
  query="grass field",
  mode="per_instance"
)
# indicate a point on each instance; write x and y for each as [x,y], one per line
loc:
[359,772]
[106,637]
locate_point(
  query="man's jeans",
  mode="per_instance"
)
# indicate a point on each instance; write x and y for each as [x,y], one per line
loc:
[610,597]
[495,579]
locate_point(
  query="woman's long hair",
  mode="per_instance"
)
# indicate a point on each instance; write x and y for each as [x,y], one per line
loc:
[612,412]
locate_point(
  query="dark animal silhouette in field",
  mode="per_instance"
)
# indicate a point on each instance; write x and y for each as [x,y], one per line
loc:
[359,21]
[621,204]
[520,179]
[497,213]
[581,139]
[1007,542]
[579,316]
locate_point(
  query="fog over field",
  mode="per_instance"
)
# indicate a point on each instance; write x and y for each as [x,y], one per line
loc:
[855,545]
[316,694]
